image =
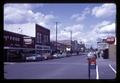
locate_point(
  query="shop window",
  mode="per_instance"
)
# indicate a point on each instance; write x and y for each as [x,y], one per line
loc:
[18,39]
[13,38]
[45,38]
[10,37]
[6,37]
[40,38]
[37,37]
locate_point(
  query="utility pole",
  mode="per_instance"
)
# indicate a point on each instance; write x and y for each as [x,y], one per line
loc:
[71,42]
[56,35]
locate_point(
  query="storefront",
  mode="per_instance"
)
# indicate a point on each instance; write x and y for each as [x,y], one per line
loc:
[15,46]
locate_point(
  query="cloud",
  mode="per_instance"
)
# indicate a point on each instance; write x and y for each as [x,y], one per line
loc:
[74,28]
[98,26]
[25,17]
[22,16]
[27,28]
[81,16]
[64,34]
[103,29]
[23,13]
[89,37]
[104,10]
[99,30]
[74,16]
[108,28]
[23,6]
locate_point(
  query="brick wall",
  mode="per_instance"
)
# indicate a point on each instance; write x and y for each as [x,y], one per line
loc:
[112,52]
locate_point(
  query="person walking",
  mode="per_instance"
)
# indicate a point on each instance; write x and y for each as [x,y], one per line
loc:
[101,54]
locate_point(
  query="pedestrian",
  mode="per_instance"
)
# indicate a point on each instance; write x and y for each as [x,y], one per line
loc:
[95,54]
[99,54]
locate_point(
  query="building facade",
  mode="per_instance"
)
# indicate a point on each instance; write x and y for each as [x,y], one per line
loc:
[15,45]
[60,47]
[112,52]
[18,46]
[42,42]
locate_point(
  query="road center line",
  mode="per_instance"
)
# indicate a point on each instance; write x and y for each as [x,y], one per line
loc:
[97,73]
[112,68]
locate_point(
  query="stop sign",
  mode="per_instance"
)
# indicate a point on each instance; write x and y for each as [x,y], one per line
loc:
[110,40]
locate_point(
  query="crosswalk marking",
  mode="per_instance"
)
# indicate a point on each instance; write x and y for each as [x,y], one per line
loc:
[97,73]
[112,68]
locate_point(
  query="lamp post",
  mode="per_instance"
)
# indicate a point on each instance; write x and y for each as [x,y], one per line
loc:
[56,35]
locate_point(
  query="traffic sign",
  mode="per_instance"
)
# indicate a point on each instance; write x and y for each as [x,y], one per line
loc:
[110,40]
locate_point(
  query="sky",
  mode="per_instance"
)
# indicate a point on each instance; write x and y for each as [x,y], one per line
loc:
[88,22]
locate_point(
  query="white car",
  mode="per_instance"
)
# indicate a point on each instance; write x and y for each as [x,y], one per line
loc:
[31,58]
[55,55]
[64,54]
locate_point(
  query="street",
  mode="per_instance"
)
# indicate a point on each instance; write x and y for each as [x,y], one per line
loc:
[74,67]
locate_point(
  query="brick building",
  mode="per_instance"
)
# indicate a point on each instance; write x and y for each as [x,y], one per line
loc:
[42,42]
[16,46]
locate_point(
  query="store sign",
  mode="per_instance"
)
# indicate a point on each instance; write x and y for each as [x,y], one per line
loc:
[27,40]
[42,47]
[102,45]
[110,40]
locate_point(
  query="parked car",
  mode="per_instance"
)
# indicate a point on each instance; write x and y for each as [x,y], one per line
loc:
[50,57]
[39,57]
[31,58]
[46,56]
[34,57]
[55,55]
[68,54]
[64,54]
[59,55]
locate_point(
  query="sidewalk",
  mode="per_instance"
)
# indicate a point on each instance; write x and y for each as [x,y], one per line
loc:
[101,61]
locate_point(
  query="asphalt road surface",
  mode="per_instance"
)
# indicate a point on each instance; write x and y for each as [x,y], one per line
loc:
[74,67]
